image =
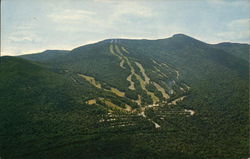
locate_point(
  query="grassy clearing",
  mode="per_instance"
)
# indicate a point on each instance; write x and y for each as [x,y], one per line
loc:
[174,102]
[91,80]
[110,104]
[177,74]
[117,92]
[144,83]
[115,51]
[147,79]
[138,77]
[172,69]
[125,50]
[122,64]
[113,106]
[160,73]
[143,86]
[132,84]
[182,89]
[128,108]
[188,87]
[111,49]
[132,70]
[138,101]
[155,62]
[162,90]
[118,51]
[91,102]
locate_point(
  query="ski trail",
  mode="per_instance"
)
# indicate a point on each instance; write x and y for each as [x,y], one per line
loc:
[143,72]
[174,102]
[145,82]
[132,70]
[142,113]
[191,112]
[162,90]
[125,50]
[122,64]
[97,84]
[132,84]
[111,49]
[138,77]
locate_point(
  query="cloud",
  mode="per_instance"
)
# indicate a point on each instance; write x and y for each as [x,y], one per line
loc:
[109,18]
[240,24]
[130,18]
[21,39]
[133,8]
[20,42]
[104,1]
[23,36]
[228,2]
[237,30]
[69,16]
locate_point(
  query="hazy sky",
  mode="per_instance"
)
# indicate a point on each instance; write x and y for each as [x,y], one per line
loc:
[29,26]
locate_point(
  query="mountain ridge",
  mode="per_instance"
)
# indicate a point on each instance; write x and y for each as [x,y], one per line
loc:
[178,35]
[173,98]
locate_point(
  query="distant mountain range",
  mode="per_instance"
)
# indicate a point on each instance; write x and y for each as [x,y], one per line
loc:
[175,98]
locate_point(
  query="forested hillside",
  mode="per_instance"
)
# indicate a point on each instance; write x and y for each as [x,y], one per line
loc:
[175,98]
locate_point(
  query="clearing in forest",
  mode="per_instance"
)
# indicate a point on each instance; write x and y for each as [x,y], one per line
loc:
[174,102]
[91,80]
[132,84]
[91,102]
[138,77]
[117,52]
[143,72]
[117,92]
[110,104]
[125,50]
[122,64]
[162,90]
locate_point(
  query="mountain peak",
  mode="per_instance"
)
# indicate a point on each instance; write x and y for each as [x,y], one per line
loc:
[182,36]
[186,39]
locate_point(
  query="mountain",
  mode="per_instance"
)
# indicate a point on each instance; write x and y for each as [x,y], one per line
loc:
[119,98]
[238,50]
[45,55]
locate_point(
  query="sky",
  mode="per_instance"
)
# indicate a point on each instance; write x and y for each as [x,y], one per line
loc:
[31,26]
